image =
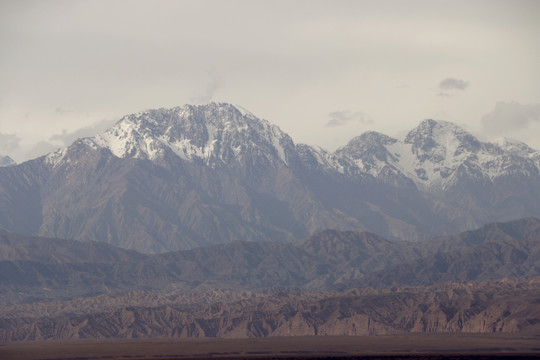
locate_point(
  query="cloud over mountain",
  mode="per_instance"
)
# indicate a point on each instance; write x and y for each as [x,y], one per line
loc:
[340,118]
[510,116]
[66,138]
[8,142]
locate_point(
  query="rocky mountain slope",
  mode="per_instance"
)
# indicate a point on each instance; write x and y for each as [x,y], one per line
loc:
[33,269]
[180,178]
[508,306]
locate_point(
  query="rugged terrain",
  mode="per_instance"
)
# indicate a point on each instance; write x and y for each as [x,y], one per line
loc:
[175,179]
[503,306]
[38,269]
[205,221]
[332,283]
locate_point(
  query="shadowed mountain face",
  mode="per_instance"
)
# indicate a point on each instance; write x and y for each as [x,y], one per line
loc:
[180,178]
[36,268]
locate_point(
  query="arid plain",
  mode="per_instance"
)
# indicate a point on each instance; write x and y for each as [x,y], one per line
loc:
[418,346]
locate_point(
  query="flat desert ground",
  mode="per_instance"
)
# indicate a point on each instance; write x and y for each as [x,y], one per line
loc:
[440,346]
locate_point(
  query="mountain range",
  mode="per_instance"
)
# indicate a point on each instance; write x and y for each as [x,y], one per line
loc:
[331,283]
[206,221]
[175,179]
[41,269]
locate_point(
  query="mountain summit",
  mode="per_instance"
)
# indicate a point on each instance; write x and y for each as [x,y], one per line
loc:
[171,179]
[214,134]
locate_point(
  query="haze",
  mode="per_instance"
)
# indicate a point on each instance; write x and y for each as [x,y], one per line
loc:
[323,71]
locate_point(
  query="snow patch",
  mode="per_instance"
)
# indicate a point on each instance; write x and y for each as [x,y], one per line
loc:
[55,158]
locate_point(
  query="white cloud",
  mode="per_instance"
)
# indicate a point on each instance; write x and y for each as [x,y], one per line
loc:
[453,84]
[340,118]
[213,85]
[290,62]
[8,143]
[510,117]
[58,141]
[38,149]
[66,138]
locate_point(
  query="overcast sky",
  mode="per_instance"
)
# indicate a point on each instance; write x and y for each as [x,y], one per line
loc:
[324,71]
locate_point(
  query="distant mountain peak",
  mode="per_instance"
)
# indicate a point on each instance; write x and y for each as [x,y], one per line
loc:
[6,161]
[435,155]
[437,140]
[370,142]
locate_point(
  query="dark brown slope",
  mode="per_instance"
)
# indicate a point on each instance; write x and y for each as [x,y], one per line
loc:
[509,249]
[14,247]
[520,229]
[236,265]
[331,259]
[507,306]
[490,260]
[33,268]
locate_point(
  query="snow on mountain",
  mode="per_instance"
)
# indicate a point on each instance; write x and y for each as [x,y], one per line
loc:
[6,161]
[444,153]
[214,134]
[318,159]
[436,155]
[222,174]
[515,147]
[376,154]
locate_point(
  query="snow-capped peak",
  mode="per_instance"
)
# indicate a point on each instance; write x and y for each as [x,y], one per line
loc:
[439,140]
[436,155]
[213,133]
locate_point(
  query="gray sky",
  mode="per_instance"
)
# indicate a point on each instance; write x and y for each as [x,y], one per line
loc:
[324,71]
